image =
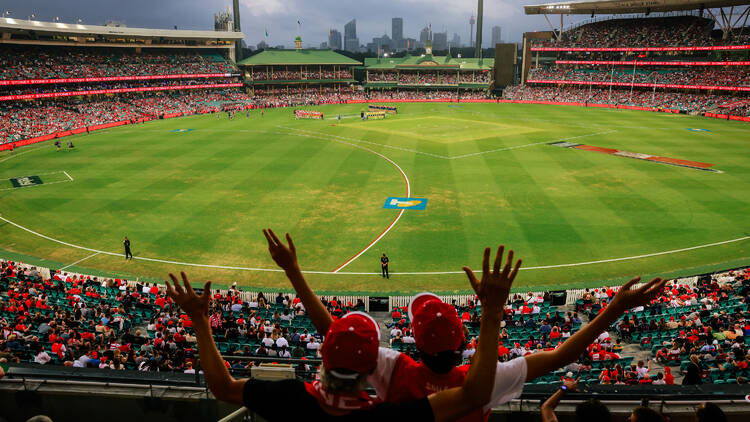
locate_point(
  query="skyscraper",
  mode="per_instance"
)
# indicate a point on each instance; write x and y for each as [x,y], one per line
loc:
[397,29]
[334,40]
[424,35]
[495,36]
[440,41]
[351,42]
[456,41]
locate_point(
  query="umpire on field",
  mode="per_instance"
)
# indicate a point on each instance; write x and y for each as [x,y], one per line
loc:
[384,265]
[126,243]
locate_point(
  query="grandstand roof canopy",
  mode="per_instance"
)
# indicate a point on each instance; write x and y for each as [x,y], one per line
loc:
[297,57]
[614,7]
[428,61]
[73,29]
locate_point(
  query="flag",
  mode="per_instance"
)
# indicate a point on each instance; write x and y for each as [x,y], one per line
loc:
[266,32]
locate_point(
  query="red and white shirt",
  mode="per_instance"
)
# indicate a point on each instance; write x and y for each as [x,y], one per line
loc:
[398,378]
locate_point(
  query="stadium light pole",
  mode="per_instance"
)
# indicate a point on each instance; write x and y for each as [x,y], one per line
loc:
[611,76]
[632,81]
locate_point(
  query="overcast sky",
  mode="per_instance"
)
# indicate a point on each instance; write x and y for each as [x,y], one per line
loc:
[280,16]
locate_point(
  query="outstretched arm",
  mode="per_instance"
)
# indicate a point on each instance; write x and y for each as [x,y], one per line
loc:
[493,291]
[541,363]
[219,381]
[286,258]
[548,408]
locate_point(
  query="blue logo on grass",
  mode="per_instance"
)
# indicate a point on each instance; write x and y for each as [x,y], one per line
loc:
[405,203]
[692,129]
[182,130]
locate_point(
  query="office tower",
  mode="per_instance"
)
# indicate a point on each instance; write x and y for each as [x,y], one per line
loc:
[496,36]
[351,42]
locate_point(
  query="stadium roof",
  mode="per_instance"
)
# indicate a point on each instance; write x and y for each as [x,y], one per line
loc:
[411,62]
[614,7]
[60,28]
[297,57]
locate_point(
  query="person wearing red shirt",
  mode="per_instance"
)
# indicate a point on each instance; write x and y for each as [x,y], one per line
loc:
[502,350]
[435,315]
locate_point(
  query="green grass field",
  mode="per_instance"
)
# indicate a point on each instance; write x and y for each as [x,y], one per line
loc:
[202,196]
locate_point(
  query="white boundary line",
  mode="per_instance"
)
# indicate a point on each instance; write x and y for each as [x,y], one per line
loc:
[80,260]
[20,153]
[66,173]
[226,267]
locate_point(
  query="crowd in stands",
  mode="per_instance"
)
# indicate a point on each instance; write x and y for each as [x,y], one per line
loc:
[70,62]
[79,321]
[709,76]
[86,322]
[688,102]
[701,331]
[293,75]
[49,88]
[422,78]
[382,76]
[23,120]
[426,94]
[475,77]
[641,32]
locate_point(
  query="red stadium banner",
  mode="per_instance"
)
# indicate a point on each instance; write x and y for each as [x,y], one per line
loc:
[114,91]
[646,63]
[627,49]
[641,85]
[116,78]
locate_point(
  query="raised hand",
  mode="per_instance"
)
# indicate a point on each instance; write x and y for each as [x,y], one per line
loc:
[494,288]
[284,256]
[572,385]
[627,297]
[194,305]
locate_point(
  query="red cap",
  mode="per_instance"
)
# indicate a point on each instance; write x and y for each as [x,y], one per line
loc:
[351,343]
[437,327]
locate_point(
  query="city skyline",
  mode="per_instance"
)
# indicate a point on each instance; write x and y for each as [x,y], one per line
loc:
[279,18]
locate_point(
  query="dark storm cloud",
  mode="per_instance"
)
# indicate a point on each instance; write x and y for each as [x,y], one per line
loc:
[280,16]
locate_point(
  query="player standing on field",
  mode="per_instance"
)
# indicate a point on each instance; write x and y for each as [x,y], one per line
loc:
[126,243]
[384,265]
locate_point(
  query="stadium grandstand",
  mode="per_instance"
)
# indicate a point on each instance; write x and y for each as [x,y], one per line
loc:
[434,76]
[115,342]
[675,61]
[299,75]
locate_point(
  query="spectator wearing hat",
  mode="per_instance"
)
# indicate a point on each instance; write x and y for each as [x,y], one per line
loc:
[350,354]
[511,374]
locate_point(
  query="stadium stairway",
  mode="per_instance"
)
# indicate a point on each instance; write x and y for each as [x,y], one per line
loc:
[385,332]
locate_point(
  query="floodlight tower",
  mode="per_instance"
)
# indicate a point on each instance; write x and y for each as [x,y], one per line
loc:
[478,50]
[237,44]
